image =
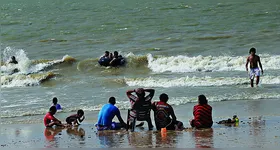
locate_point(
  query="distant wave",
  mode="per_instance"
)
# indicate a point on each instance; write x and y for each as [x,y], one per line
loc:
[213,37]
[195,81]
[182,63]
[206,63]
[31,72]
[18,80]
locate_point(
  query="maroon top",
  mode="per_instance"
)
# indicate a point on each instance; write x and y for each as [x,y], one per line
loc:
[202,116]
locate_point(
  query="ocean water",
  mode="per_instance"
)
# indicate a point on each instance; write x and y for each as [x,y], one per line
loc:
[182,48]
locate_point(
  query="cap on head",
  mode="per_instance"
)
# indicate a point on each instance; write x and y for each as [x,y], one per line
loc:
[13,57]
[139,91]
[234,116]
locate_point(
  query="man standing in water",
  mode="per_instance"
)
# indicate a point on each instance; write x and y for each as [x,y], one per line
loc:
[254,69]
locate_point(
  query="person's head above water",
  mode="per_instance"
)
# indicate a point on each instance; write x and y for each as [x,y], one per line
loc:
[252,50]
[107,53]
[54,100]
[13,58]
[116,54]
[163,97]
[112,100]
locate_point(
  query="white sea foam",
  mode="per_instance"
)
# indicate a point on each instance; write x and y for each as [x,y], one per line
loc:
[195,81]
[18,80]
[124,105]
[182,63]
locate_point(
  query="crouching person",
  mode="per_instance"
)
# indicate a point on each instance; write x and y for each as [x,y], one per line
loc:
[106,115]
[162,112]
[75,119]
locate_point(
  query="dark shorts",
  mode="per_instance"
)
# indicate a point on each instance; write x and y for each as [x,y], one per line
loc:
[114,126]
[69,121]
[199,125]
[170,126]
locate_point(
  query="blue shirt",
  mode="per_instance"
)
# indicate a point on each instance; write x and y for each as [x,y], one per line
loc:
[58,107]
[106,114]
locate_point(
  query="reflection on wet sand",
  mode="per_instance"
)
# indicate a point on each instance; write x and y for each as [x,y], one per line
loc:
[257,131]
[111,138]
[140,139]
[203,138]
[143,139]
[50,134]
[76,132]
[168,139]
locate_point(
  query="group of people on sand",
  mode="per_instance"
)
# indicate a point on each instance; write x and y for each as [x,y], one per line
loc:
[109,59]
[138,99]
[164,115]
[73,120]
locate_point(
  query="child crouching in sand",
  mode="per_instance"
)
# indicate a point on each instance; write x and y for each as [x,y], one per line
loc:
[75,119]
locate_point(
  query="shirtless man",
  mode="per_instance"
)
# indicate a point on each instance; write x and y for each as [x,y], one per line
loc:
[254,69]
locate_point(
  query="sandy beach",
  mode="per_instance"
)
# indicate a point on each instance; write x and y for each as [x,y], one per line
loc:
[259,127]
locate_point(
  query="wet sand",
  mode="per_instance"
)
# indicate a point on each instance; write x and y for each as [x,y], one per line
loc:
[259,127]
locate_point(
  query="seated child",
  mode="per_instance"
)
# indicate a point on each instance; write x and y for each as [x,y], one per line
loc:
[76,119]
[50,120]
[233,120]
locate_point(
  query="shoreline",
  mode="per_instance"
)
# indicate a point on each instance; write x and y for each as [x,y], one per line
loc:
[256,132]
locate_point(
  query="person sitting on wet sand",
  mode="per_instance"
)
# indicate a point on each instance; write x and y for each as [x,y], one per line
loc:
[140,100]
[106,115]
[229,121]
[162,112]
[50,120]
[202,114]
[76,119]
